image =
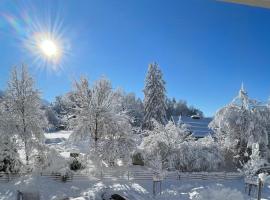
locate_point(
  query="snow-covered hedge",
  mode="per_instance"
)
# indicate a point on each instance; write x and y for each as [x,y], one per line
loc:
[50,161]
[178,150]
[201,155]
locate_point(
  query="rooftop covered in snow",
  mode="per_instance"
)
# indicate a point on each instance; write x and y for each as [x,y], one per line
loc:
[197,125]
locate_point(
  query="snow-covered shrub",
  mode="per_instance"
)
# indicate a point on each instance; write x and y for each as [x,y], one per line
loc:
[201,155]
[137,157]
[179,151]
[50,161]
[220,193]
[165,141]
[75,165]
[9,158]
[255,163]
[78,163]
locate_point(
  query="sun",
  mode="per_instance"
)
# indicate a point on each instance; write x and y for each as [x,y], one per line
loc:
[49,48]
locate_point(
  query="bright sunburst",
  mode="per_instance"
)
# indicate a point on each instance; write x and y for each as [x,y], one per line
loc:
[42,37]
[49,48]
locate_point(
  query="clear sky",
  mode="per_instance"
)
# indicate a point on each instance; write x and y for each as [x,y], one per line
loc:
[205,49]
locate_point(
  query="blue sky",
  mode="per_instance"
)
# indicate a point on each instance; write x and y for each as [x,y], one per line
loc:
[205,49]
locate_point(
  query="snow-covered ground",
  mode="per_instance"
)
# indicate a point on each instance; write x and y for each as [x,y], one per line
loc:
[93,188]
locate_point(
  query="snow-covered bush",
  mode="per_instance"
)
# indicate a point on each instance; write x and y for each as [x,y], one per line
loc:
[75,165]
[9,158]
[78,163]
[50,161]
[255,163]
[165,141]
[201,155]
[137,157]
[179,151]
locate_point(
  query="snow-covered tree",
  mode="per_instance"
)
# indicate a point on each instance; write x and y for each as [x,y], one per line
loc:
[25,118]
[51,116]
[240,124]
[99,117]
[63,108]
[95,108]
[118,142]
[180,107]
[9,158]
[154,97]
[134,108]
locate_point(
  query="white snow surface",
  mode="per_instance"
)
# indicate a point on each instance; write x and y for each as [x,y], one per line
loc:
[59,134]
[92,188]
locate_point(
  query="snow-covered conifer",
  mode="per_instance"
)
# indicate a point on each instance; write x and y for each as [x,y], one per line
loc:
[154,97]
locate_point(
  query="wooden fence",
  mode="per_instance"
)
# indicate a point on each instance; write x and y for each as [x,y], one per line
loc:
[131,175]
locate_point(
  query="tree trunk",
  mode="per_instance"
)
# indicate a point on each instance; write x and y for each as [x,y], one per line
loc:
[96,131]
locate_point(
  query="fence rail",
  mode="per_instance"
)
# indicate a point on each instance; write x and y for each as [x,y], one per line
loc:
[136,175]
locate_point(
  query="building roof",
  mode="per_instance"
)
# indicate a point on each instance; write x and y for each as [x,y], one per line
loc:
[258,3]
[198,127]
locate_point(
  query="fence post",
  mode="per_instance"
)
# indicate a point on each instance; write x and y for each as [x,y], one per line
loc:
[128,175]
[259,194]
[160,187]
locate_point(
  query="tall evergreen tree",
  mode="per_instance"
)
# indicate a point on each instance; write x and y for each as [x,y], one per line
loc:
[154,97]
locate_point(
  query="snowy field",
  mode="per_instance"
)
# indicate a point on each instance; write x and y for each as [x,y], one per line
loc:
[93,188]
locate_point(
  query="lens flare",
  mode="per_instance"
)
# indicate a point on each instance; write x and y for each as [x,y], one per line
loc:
[42,37]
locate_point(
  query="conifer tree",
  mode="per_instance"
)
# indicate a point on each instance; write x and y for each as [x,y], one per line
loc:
[154,97]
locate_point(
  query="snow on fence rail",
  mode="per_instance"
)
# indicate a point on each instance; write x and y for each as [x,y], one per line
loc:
[138,175]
